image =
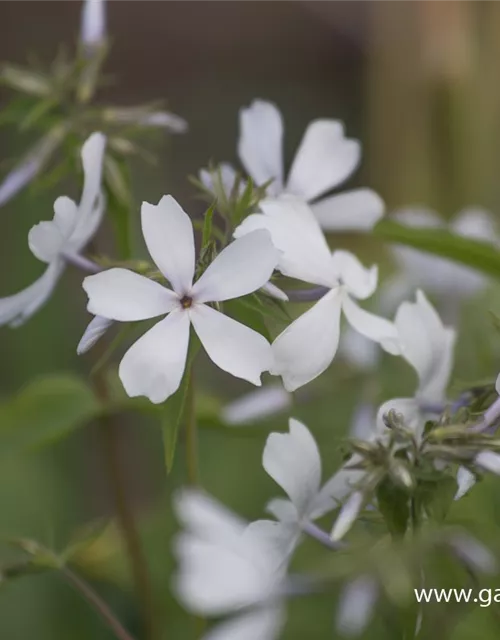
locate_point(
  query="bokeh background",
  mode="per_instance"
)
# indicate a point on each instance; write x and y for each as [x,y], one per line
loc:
[417,83]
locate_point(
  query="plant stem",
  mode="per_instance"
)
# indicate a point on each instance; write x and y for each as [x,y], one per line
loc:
[124,514]
[191,433]
[98,604]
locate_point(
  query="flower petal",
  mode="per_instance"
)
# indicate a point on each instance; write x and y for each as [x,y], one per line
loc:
[295,232]
[347,515]
[325,159]
[307,346]
[337,488]
[224,176]
[359,281]
[168,233]
[16,309]
[96,328]
[232,346]
[154,365]
[45,241]
[357,210]
[260,147]
[465,481]
[488,461]
[120,294]
[93,26]
[261,624]
[65,215]
[274,292]
[370,325]
[356,604]
[292,460]
[257,405]
[242,267]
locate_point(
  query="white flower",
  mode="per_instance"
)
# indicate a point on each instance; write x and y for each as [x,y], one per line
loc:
[226,566]
[307,347]
[347,515]
[324,160]
[488,461]
[427,345]
[96,328]
[93,25]
[293,462]
[356,604]
[257,405]
[154,365]
[449,280]
[62,238]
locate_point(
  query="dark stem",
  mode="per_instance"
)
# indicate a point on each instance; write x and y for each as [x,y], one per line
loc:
[110,438]
[98,604]
[191,432]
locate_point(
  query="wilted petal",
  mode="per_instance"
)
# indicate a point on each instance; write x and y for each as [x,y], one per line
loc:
[325,158]
[168,233]
[307,347]
[465,481]
[16,309]
[357,210]
[356,604]
[359,281]
[232,346]
[120,294]
[370,325]
[45,241]
[242,267]
[96,328]
[259,624]
[347,515]
[296,233]
[257,405]
[292,460]
[260,146]
[154,365]
[488,461]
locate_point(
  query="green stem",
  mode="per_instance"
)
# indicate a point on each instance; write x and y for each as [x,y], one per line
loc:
[110,438]
[98,604]
[191,433]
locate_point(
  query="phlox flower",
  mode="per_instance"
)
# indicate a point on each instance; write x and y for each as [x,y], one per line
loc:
[154,365]
[450,281]
[308,345]
[257,405]
[93,24]
[229,567]
[427,345]
[63,238]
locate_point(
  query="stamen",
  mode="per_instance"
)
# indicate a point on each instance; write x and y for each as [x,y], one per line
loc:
[186,302]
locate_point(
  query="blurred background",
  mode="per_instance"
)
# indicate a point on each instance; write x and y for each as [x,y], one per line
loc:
[417,83]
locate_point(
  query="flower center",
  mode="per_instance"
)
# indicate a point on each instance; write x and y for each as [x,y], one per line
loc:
[186,302]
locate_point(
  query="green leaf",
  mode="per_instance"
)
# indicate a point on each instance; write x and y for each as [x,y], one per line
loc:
[437,497]
[207,226]
[394,506]
[120,203]
[473,253]
[45,411]
[250,312]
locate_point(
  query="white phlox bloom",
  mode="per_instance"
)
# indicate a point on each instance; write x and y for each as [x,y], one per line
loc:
[308,345]
[427,345]
[257,405]
[324,160]
[65,236]
[449,280]
[154,365]
[229,567]
[293,462]
[93,24]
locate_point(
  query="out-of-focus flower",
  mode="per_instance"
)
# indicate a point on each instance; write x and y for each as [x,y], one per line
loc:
[154,365]
[227,567]
[347,515]
[450,281]
[427,345]
[308,345]
[324,160]
[257,405]
[142,116]
[93,24]
[96,328]
[356,604]
[63,238]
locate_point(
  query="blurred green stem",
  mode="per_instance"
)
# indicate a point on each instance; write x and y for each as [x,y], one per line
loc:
[191,433]
[138,563]
[98,604]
